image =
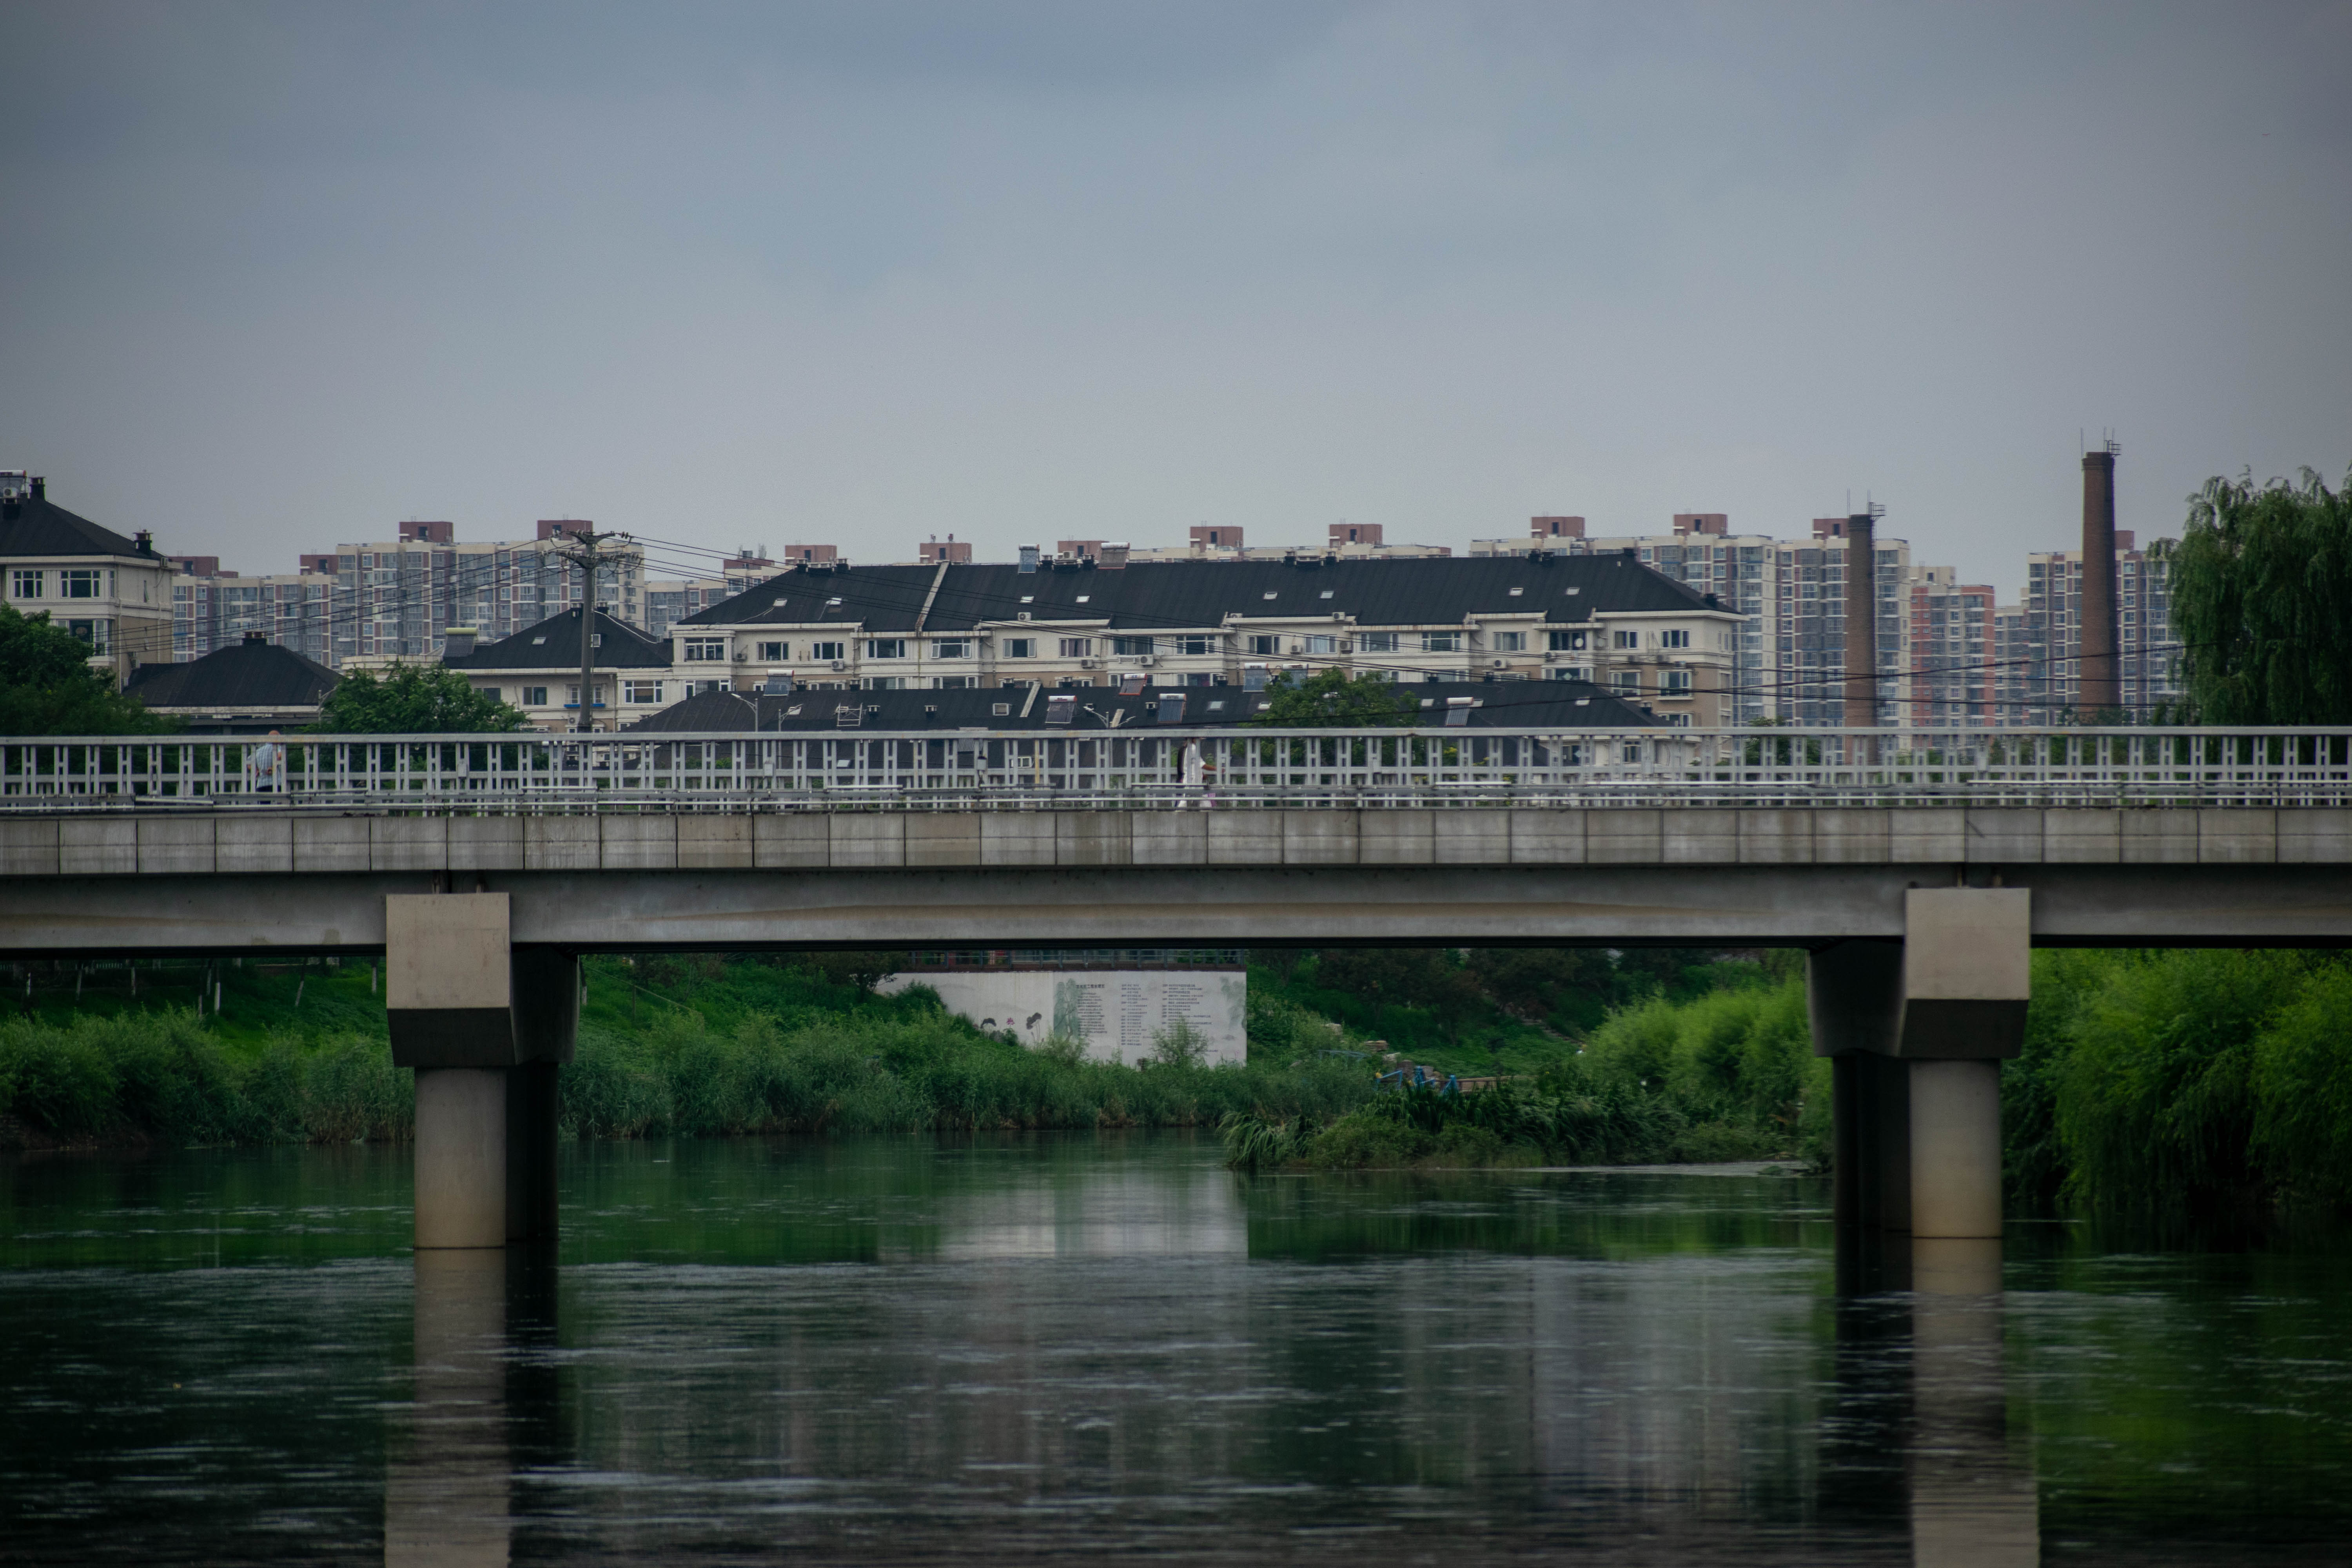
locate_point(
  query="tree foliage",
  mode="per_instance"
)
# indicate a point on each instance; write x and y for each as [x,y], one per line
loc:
[414,699]
[2261,580]
[1331,699]
[48,688]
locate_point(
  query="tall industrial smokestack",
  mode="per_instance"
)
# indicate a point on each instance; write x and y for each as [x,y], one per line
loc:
[1861,619]
[2097,690]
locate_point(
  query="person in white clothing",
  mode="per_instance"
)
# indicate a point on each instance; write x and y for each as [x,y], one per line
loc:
[1194,771]
[266,766]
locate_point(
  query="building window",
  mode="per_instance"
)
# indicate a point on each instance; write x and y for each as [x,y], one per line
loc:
[641,691]
[775,651]
[1078,647]
[886,683]
[1264,646]
[1441,642]
[1322,645]
[1674,683]
[1020,648]
[1510,642]
[1674,639]
[78,583]
[1130,647]
[99,634]
[1196,647]
[956,682]
[1377,642]
[1626,682]
[706,650]
[23,584]
[1626,640]
[1569,672]
[1567,642]
[534,696]
[828,651]
[885,648]
[952,647]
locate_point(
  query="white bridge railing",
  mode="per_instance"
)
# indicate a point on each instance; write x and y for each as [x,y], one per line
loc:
[858,770]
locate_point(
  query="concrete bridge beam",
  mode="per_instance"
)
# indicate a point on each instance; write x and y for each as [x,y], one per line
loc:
[484,1025]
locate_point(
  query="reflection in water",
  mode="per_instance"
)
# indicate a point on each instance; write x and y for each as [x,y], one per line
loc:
[1973,1500]
[1029,1347]
[445,1485]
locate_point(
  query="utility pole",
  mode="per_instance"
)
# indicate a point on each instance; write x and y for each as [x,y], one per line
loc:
[589,554]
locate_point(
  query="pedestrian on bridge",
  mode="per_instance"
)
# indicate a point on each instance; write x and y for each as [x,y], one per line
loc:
[1195,773]
[265,765]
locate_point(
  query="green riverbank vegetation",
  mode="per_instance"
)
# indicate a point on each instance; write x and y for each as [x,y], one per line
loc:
[691,1047]
[1726,1074]
[2150,1078]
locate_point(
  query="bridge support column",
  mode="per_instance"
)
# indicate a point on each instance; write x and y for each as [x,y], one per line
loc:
[484,1025]
[547,1026]
[1917,1031]
[1854,995]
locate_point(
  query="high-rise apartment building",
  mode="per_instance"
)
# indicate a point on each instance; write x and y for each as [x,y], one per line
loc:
[397,598]
[2146,675]
[1790,597]
[668,601]
[1953,639]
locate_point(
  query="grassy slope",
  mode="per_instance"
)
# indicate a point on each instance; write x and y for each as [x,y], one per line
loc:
[257,1000]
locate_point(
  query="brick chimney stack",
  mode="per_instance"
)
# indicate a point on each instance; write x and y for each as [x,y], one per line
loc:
[2097,691]
[1860,621]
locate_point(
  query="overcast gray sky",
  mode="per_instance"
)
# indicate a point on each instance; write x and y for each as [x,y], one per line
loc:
[277,275]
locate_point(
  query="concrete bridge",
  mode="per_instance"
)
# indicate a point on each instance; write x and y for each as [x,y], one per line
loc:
[1917,875]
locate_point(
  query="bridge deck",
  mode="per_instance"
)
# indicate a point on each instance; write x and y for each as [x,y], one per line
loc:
[138,883]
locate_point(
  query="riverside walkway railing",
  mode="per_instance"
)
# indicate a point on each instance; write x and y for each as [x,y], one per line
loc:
[857,770]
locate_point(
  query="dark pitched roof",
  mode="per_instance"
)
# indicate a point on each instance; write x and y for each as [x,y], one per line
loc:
[253,674]
[1169,594]
[1499,704]
[37,526]
[554,644]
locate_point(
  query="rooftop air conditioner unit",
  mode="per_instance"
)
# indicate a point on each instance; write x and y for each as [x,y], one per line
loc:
[841,664]
[1088,663]
[1145,658]
[1502,663]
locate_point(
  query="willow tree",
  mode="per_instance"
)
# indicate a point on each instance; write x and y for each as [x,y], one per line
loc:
[2262,602]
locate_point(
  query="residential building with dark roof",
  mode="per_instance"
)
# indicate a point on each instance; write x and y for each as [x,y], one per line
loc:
[113,592]
[1131,707]
[1084,622]
[538,671]
[249,687]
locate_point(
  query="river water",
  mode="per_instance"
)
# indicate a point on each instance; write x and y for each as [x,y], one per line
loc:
[1079,1347]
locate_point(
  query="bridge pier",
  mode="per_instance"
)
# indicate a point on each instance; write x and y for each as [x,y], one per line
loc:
[1916,1031]
[484,1025]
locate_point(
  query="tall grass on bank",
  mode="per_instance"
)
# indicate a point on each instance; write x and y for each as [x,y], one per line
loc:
[162,1076]
[893,1072]
[1725,1076]
[909,1067]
